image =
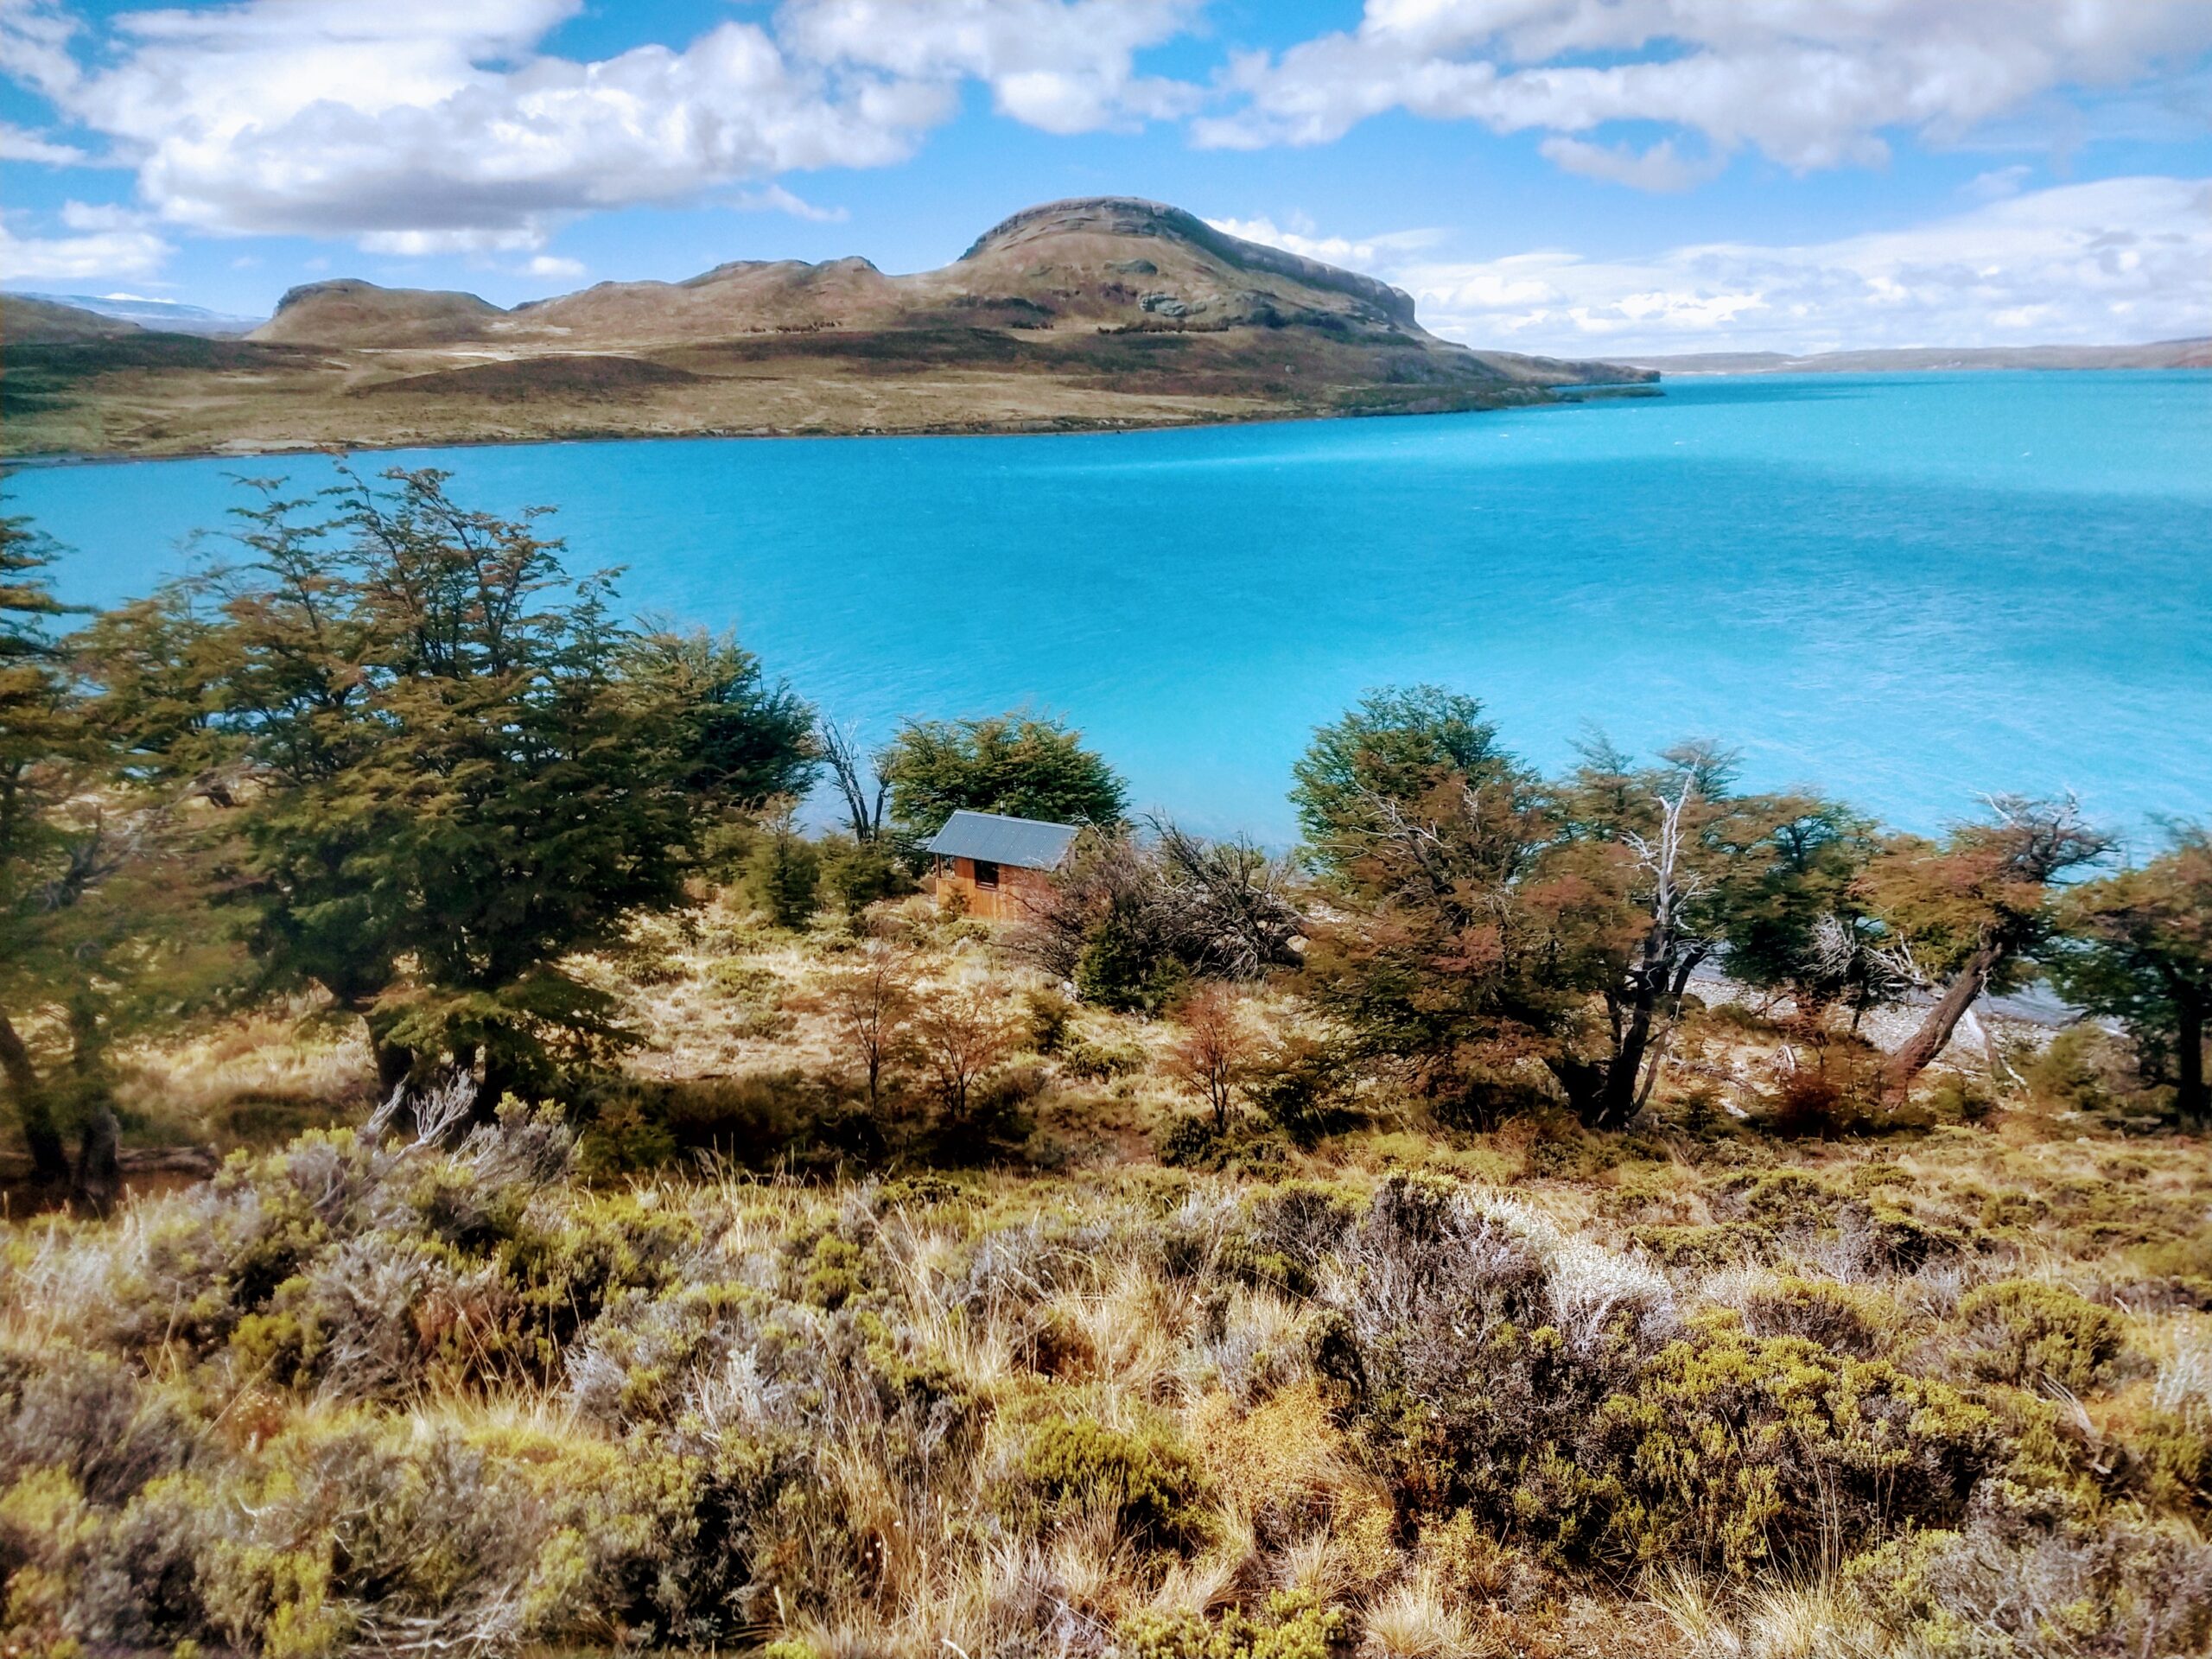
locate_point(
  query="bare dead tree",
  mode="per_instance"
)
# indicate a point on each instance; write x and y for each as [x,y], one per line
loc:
[858,779]
[1223,909]
[1236,898]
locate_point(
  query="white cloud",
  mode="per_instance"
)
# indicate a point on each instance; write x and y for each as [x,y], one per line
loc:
[2119,260]
[1062,65]
[1658,169]
[774,198]
[436,126]
[102,244]
[1807,83]
[553,264]
[424,126]
[1370,254]
[18,145]
[35,43]
[1997,183]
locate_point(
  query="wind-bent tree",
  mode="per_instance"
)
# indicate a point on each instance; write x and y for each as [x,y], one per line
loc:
[1494,921]
[451,766]
[1682,855]
[2137,947]
[1017,765]
[1968,914]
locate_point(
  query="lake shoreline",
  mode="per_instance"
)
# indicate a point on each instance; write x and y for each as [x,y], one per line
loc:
[1065,426]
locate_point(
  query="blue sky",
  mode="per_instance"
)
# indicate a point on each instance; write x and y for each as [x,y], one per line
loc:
[1561,175]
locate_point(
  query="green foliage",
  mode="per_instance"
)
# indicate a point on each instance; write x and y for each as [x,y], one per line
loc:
[1099,1062]
[1120,968]
[744,742]
[2137,947]
[1050,1014]
[783,876]
[1304,1086]
[1733,1450]
[101,932]
[858,873]
[1016,764]
[2027,1333]
[466,769]
[1192,1140]
[1294,1624]
[1143,1477]
[1396,746]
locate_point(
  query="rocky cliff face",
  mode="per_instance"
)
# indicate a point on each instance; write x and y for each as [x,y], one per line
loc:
[1109,244]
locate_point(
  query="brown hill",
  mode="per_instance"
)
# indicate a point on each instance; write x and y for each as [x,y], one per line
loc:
[1104,312]
[350,312]
[42,322]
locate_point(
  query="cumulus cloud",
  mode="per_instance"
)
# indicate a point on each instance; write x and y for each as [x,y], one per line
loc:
[554,264]
[2117,260]
[100,243]
[1062,65]
[438,126]
[1809,85]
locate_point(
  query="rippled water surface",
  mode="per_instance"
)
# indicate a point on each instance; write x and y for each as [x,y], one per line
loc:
[1907,589]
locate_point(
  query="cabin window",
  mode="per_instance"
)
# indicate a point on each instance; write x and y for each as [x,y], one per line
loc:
[987,873]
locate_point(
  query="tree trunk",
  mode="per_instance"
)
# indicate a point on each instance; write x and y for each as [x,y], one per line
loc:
[1584,1083]
[49,1161]
[1935,1032]
[98,1182]
[395,1065]
[2190,1101]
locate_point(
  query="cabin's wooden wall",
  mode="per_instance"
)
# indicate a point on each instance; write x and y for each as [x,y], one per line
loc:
[1005,903]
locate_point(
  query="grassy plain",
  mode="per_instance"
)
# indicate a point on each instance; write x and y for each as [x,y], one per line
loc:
[719,1358]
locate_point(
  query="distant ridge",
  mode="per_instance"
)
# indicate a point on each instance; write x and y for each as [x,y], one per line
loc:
[29,320]
[1106,312]
[2161,355]
[171,315]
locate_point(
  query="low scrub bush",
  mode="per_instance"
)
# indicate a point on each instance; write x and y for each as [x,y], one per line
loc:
[1849,1319]
[2027,1333]
[1290,1626]
[1143,1478]
[2116,1589]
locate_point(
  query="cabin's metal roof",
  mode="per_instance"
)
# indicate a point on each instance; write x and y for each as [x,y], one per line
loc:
[1026,843]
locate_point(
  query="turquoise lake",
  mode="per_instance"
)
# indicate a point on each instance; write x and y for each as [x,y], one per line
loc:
[1908,591]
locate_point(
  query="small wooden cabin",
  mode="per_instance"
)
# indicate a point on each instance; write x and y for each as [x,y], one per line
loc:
[994,862]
